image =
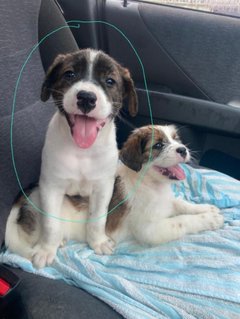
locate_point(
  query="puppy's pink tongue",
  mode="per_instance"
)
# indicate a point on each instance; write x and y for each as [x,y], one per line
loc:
[84,131]
[178,172]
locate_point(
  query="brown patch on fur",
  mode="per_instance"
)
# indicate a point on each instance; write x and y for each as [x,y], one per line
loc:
[79,202]
[175,136]
[159,137]
[131,152]
[27,218]
[137,149]
[116,217]
[26,215]
[21,201]
[55,84]
[104,67]
[130,92]
[180,225]
[20,198]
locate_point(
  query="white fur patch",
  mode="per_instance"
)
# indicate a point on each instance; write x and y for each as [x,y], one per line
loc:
[103,107]
[93,55]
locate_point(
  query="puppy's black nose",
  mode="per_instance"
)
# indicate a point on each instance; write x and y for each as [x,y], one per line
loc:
[182,151]
[86,101]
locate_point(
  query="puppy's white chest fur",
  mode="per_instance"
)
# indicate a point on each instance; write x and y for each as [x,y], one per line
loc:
[78,166]
[155,204]
[82,187]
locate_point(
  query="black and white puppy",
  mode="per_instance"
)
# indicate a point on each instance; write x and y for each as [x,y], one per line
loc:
[80,154]
[149,211]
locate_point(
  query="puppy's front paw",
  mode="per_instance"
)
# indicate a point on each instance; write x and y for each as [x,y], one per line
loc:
[104,246]
[43,255]
[211,221]
[213,209]
[206,208]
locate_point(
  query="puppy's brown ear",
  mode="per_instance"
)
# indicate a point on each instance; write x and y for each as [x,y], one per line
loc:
[130,92]
[131,153]
[51,77]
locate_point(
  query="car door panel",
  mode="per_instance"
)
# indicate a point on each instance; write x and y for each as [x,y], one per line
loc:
[191,61]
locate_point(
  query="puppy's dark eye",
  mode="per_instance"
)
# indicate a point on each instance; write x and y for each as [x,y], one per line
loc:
[69,75]
[110,82]
[158,146]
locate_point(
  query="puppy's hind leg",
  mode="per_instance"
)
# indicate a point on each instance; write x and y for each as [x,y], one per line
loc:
[181,206]
[173,228]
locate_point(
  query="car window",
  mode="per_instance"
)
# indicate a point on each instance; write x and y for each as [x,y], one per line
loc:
[227,7]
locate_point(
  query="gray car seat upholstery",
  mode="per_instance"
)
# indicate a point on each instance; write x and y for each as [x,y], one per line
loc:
[19,21]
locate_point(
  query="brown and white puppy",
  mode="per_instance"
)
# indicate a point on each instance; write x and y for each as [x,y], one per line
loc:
[142,206]
[80,154]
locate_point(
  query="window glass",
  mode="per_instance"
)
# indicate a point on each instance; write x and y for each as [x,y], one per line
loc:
[228,7]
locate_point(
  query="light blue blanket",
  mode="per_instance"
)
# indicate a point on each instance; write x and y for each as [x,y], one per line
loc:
[196,277]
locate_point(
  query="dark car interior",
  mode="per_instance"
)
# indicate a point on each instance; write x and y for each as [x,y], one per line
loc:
[191,61]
